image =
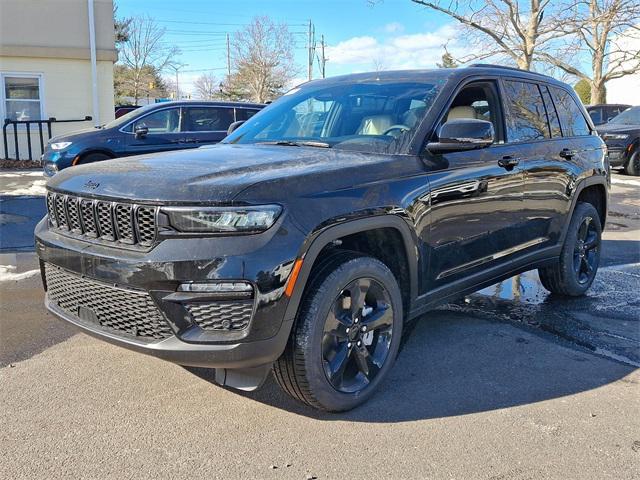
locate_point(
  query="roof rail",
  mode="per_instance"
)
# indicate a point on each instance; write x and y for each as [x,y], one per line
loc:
[503,67]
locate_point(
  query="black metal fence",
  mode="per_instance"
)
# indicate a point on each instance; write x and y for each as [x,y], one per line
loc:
[39,125]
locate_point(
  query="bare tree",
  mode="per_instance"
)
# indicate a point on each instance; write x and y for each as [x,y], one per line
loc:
[378,64]
[262,59]
[144,50]
[514,31]
[207,86]
[608,32]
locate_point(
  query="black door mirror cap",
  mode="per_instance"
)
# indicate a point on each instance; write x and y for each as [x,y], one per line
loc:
[141,132]
[462,135]
[234,126]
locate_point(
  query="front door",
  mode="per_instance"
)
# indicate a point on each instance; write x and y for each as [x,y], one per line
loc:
[204,125]
[163,132]
[476,196]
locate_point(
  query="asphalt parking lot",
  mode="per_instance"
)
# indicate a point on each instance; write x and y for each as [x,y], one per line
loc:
[508,384]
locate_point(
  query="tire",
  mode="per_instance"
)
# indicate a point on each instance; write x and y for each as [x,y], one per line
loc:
[633,165]
[577,266]
[325,332]
[93,157]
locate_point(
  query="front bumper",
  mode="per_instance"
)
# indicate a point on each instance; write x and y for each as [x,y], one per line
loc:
[619,153]
[257,259]
[54,161]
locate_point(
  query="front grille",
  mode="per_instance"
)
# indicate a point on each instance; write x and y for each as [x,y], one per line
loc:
[98,219]
[226,315]
[115,309]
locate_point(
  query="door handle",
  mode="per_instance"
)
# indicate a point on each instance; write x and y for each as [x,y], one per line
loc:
[567,153]
[508,162]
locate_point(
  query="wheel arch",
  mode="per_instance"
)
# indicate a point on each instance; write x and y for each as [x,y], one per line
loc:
[592,190]
[314,248]
[78,158]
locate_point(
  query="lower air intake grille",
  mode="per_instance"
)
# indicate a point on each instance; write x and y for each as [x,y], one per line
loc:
[223,315]
[116,309]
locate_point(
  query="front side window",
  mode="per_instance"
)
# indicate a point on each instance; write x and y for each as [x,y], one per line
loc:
[368,116]
[22,97]
[526,118]
[207,119]
[162,121]
[571,118]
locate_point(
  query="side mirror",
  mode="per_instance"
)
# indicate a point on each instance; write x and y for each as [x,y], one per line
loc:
[234,126]
[462,135]
[141,132]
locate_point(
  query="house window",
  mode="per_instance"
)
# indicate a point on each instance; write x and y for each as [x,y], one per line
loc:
[22,96]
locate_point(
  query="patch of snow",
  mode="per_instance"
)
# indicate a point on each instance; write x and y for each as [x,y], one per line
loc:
[624,181]
[37,188]
[18,174]
[8,275]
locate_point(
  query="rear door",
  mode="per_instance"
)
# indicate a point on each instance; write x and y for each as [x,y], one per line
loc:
[163,132]
[204,125]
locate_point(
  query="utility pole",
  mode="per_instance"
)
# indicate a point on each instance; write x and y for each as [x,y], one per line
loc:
[323,59]
[176,68]
[312,50]
[228,57]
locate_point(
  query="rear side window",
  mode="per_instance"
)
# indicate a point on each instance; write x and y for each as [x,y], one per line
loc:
[244,114]
[552,115]
[526,117]
[596,115]
[571,118]
[207,119]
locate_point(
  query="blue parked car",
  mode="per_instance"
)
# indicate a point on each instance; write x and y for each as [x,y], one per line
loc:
[158,127]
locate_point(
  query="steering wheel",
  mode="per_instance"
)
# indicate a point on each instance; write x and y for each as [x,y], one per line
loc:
[400,127]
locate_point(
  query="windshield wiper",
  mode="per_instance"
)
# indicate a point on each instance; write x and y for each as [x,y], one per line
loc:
[291,143]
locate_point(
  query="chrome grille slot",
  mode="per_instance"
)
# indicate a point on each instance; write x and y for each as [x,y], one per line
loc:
[124,222]
[88,218]
[73,213]
[101,220]
[146,220]
[105,220]
[122,311]
[61,215]
[51,209]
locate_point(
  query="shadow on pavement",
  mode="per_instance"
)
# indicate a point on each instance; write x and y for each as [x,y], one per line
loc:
[454,365]
[19,216]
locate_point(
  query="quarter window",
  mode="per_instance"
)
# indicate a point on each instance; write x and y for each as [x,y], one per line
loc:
[162,121]
[208,119]
[527,119]
[22,97]
[573,122]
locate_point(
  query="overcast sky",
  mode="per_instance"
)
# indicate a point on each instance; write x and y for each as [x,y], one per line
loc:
[393,33]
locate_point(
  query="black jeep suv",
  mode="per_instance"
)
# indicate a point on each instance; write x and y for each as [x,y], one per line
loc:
[313,234]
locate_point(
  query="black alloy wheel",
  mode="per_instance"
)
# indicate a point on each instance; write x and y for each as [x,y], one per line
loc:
[357,335]
[585,254]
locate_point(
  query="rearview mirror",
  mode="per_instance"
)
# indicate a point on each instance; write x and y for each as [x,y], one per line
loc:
[141,132]
[234,126]
[463,134]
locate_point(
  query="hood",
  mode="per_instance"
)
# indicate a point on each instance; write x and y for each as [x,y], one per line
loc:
[613,128]
[75,135]
[219,173]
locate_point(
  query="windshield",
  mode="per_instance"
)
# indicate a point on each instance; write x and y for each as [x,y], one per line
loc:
[628,117]
[372,116]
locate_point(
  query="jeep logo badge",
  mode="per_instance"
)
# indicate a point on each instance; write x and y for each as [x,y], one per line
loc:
[91,185]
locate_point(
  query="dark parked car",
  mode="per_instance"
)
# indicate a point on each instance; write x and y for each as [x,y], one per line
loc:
[604,113]
[159,127]
[314,234]
[622,136]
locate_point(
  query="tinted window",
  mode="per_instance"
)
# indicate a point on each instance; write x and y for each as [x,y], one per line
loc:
[552,115]
[207,119]
[245,113]
[596,115]
[162,121]
[476,101]
[573,122]
[527,119]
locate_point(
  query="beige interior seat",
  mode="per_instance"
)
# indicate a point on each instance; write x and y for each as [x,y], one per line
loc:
[462,112]
[374,125]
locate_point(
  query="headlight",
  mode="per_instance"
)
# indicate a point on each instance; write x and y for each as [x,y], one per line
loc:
[223,219]
[59,145]
[615,136]
[50,169]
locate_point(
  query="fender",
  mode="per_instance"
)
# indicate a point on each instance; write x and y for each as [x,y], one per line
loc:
[603,180]
[314,246]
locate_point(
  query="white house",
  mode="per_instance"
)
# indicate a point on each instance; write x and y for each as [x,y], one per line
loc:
[56,60]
